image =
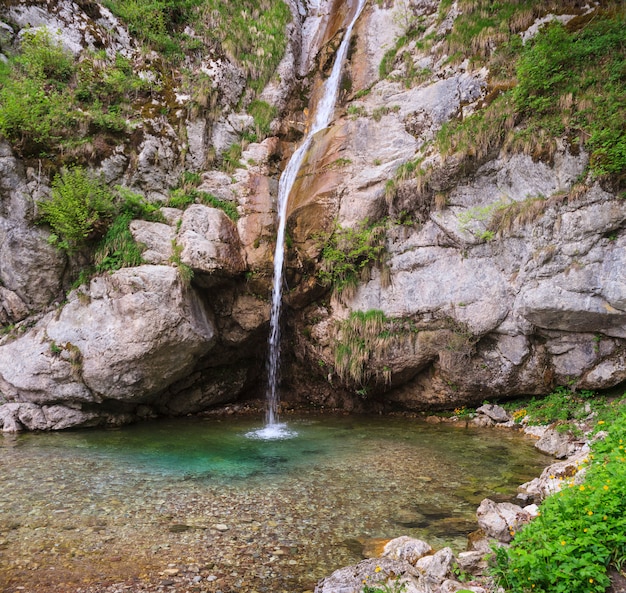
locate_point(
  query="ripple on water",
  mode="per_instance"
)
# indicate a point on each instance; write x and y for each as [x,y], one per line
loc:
[100,506]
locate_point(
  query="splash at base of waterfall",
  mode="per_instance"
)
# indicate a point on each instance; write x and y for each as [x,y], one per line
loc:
[272,432]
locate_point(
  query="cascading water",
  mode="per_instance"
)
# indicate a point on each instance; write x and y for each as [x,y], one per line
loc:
[325,109]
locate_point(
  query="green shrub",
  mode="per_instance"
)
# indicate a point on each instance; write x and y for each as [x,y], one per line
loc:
[43,57]
[184,196]
[79,209]
[35,102]
[263,114]
[580,531]
[252,32]
[349,254]
[158,23]
[118,249]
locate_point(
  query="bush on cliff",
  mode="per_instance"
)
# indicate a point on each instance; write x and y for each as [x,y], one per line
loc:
[79,209]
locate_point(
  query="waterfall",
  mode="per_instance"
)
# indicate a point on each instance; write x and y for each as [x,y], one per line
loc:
[323,116]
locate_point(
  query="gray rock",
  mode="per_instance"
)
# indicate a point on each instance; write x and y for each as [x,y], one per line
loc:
[557,444]
[376,570]
[496,413]
[157,239]
[407,549]
[472,562]
[209,241]
[127,337]
[500,520]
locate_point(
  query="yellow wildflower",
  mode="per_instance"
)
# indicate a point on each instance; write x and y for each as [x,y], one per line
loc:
[377,569]
[563,542]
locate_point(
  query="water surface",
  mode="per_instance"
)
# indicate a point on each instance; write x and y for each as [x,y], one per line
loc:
[80,510]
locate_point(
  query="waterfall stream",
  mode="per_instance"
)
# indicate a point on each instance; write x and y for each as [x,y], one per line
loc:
[323,115]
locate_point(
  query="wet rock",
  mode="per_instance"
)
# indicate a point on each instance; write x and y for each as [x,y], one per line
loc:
[407,549]
[373,571]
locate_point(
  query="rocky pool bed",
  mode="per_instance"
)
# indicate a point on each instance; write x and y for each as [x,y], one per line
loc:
[194,505]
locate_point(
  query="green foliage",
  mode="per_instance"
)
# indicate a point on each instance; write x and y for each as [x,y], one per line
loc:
[563,405]
[480,133]
[118,249]
[43,57]
[252,32]
[187,193]
[158,23]
[579,80]
[361,338]
[48,100]
[263,114]
[580,531]
[231,158]
[349,254]
[78,210]
[567,82]
[185,272]
[35,105]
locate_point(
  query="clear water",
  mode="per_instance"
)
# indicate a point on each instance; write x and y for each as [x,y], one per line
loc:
[323,117]
[80,510]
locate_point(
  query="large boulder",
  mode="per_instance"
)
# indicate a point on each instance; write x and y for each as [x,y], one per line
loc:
[127,337]
[209,241]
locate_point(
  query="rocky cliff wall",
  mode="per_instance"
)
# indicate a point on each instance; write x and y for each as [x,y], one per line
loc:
[498,271]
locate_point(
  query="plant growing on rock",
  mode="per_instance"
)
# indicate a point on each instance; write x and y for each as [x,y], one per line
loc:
[361,340]
[79,209]
[349,255]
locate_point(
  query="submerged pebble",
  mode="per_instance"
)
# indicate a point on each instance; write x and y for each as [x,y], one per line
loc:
[220,512]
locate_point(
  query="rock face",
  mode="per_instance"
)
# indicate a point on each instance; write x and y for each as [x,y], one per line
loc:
[126,339]
[502,273]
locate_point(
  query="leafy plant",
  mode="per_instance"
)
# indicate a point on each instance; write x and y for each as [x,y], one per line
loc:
[79,209]
[263,114]
[349,254]
[159,23]
[579,532]
[360,339]
[118,248]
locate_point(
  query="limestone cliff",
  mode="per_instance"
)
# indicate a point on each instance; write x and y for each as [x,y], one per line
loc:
[482,257]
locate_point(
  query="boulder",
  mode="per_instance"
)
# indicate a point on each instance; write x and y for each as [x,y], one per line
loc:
[209,241]
[555,443]
[496,413]
[127,337]
[407,549]
[156,238]
[500,520]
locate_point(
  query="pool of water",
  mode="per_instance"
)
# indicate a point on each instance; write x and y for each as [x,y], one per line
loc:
[197,499]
